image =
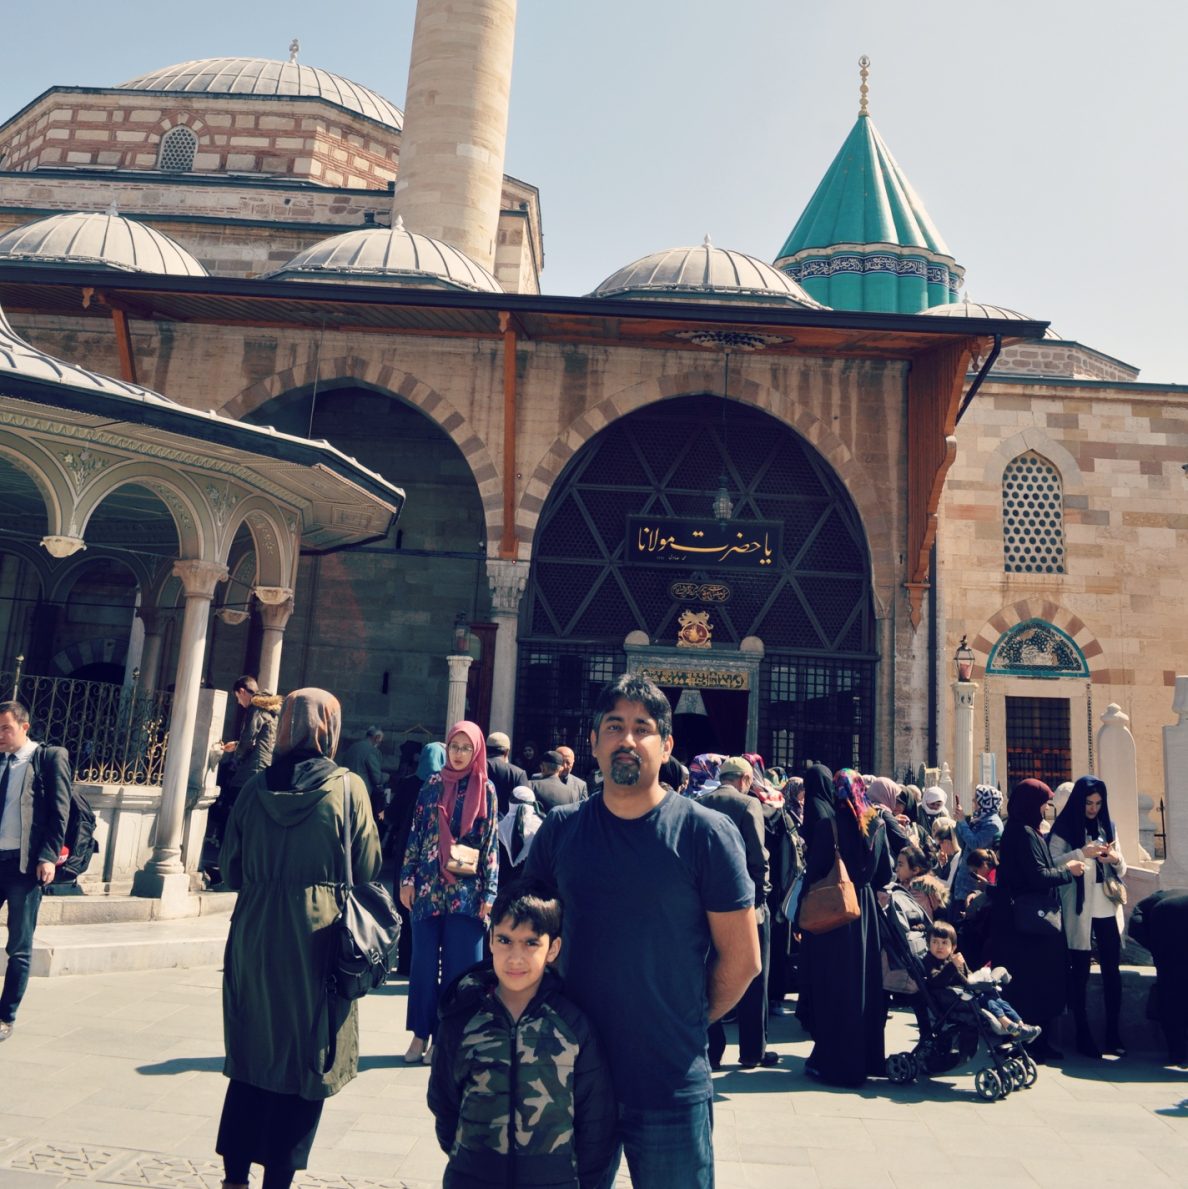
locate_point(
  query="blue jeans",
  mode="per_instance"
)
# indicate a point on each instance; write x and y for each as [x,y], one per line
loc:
[666,1149]
[451,943]
[22,893]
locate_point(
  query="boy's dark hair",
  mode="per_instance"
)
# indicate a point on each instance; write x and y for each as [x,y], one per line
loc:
[981,858]
[916,858]
[942,929]
[529,901]
[246,683]
[17,710]
[633,688]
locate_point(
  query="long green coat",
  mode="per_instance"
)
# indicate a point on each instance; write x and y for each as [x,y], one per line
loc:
[283,853]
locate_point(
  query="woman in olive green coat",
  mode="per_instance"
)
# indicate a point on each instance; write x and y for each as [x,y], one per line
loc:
[288,1046]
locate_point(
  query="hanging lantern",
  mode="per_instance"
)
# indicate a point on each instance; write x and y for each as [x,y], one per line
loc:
[964,660]
[691,702]
[723,506]
[461,635]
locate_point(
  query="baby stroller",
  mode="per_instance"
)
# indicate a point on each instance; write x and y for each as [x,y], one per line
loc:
[952,1026]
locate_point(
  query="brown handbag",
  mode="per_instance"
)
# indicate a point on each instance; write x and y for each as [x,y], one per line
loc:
[832,901]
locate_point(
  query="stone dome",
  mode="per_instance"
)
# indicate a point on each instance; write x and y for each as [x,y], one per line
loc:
[266,76]
[705,272]
[977,309]
[388,255]
[97,239]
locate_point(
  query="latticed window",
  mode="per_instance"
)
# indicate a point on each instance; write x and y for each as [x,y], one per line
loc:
[1032,516]
[177,150]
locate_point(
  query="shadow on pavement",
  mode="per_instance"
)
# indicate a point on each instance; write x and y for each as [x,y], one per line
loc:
[183,1065]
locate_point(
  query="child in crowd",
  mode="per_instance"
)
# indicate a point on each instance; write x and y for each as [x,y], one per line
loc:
[947,968]
[515,1059]
[911,872]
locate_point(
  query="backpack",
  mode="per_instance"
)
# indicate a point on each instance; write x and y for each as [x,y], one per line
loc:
[78,844]
[785,850]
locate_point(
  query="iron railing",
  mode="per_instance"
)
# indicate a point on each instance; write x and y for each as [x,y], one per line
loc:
[115,734]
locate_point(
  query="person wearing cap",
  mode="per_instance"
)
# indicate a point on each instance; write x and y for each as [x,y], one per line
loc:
[567,773]
[501,772]
[732,797]
[549,788]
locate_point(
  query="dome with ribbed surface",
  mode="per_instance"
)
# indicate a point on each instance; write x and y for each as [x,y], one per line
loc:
[97,239]
[266,76]
[707,272]
[977,309]
[388,255]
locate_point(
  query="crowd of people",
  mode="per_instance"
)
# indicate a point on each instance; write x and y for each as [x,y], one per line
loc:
[578,951]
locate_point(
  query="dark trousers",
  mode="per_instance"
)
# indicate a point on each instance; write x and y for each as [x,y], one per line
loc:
[751,1012]
[1109,953]
[22,894]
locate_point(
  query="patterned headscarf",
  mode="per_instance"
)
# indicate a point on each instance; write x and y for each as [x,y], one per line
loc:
[704,770]
[849,789]
[310,723]
[988,801]
[761,788]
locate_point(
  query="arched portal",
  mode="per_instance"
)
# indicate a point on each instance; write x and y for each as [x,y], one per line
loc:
[593,581]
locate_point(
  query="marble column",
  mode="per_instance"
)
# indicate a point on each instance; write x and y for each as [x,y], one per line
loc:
[456,698]
[508,579]
[964,698]
[1174,873]
[276,606]
[150,652]
[163,876]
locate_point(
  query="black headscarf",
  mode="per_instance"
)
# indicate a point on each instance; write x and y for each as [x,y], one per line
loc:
[1075,828]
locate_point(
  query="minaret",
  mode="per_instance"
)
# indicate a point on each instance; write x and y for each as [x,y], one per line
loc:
[450,175]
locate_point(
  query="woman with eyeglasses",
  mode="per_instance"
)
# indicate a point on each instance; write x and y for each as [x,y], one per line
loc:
[449,877]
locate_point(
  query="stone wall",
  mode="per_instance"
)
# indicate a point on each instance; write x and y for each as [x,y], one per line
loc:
[1052,358]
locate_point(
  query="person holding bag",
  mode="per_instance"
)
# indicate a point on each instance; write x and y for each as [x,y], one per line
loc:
[842,1005]
[284,853]
[1026,933]
[449,877]
[1092,906]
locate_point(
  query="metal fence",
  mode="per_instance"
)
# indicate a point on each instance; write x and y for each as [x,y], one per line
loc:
[114,734]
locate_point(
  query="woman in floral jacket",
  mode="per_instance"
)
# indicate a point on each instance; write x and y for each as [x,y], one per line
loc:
[449,909]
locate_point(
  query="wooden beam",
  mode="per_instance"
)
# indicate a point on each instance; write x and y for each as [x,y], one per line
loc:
[507,544]
[124,344]
[934,388]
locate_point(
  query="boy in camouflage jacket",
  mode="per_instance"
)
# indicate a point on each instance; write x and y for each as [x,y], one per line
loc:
[519,1088]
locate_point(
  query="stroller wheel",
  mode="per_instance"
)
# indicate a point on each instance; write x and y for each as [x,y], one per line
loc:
[1030,1071]
[988,1085]
[901,1068]
[1018,1071]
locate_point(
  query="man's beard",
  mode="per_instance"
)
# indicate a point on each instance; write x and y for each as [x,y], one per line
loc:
[625,769]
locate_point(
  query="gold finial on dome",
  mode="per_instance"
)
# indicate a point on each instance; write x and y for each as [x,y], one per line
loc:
[863,90]
[294,49]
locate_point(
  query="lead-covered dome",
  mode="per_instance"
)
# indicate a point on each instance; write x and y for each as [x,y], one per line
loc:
[977,309]
[705,272]
[97,239]
[267,76]
[387,256]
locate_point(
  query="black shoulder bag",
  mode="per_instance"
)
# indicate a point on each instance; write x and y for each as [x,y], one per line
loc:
[366,932]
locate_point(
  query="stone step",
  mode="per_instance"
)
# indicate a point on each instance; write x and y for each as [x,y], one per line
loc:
[100,910]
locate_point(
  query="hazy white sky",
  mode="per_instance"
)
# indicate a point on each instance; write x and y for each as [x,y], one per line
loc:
[1045,138]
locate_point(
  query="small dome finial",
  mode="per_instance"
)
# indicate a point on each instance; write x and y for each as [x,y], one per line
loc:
[863,90]
[294,49]
[113,209]
[707,242]
[399,224]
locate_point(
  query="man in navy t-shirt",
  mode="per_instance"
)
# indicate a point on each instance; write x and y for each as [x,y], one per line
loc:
[651,882]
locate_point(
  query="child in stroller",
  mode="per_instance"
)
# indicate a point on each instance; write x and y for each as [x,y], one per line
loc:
[953,1024]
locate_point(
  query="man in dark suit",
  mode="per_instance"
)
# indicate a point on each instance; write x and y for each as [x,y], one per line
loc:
[504,775]
[549,788]
[34,805]
[567,774]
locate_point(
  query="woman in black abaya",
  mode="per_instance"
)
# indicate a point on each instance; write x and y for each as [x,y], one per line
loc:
[842,1003]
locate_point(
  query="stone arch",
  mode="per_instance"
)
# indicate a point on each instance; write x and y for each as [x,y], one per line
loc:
[876,516]
[176,117]
[395,382]
[1034,438]
[187,505]
[68,572]
[275,544]
[48,476]
[1038,607]
[109,650]
[38,560]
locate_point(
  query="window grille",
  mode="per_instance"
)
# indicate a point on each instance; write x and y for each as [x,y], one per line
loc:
[178,146]
[1032,517]
[1039,741]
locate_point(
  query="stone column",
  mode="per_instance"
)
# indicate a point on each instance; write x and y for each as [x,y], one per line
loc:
[964,698]
[276,606]
[163,876]
[456,699]
[507,579]
[1174,873]
[450,181]
[1117,765]
[150,652]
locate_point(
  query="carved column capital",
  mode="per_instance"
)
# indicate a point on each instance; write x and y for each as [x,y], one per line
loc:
[276,615]
[199,578]
[507,578]
[63,546]
[272,596]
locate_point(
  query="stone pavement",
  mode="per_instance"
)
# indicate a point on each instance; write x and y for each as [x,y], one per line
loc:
[114,1079]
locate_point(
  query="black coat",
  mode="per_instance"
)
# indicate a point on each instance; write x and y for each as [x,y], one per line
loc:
[552,791]
[44,806]
[1037,963]
[505,776]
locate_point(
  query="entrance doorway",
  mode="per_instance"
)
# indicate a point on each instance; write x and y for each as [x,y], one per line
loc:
[722,728]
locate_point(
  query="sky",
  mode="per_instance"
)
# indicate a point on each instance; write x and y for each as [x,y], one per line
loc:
[1044,138]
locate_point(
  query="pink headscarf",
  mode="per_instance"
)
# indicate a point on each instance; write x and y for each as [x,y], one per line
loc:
[883,791]
[474,806]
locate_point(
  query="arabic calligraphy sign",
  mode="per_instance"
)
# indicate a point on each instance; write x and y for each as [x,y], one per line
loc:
[703,544]
[698,678]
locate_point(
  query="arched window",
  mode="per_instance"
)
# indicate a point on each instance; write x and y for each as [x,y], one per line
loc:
[177,150]
[1032,516]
